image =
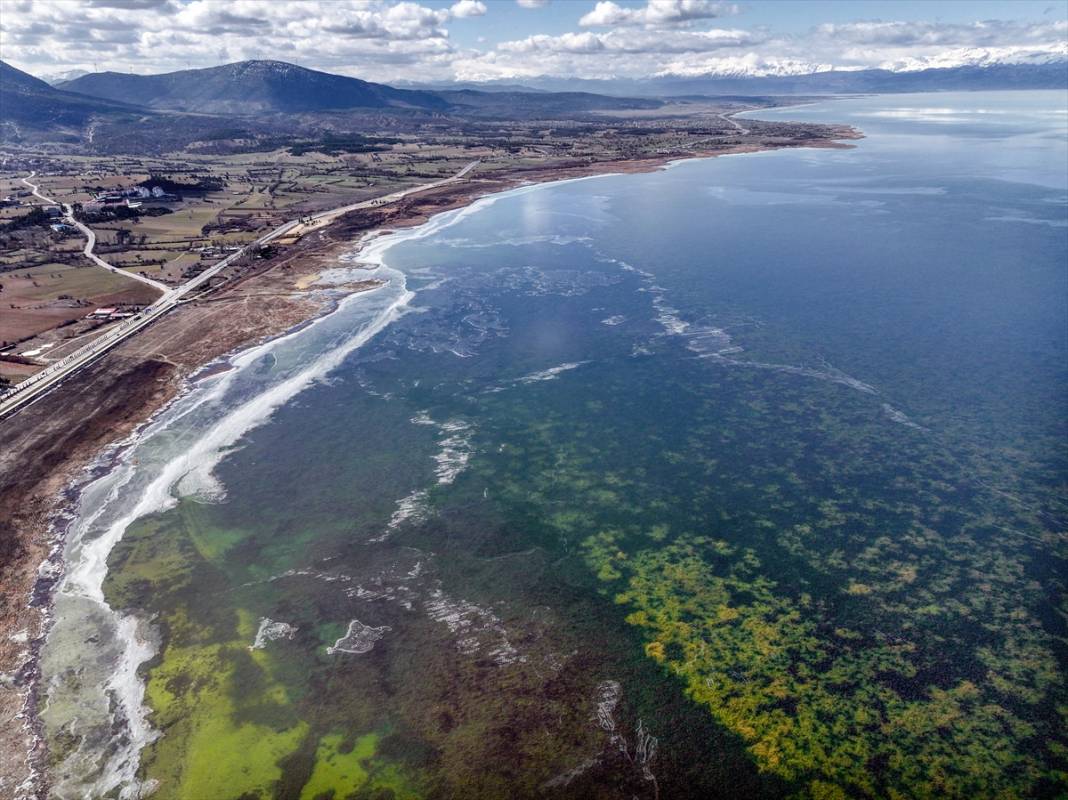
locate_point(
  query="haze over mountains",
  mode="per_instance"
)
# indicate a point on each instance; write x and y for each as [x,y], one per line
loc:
[1052,74]
[252,88]
[28,102]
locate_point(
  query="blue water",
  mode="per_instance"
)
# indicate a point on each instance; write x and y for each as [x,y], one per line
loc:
[927,262]
[741,478]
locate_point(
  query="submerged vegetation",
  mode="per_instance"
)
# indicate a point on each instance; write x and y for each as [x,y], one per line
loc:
[882,647]
[603,564]
[830,588]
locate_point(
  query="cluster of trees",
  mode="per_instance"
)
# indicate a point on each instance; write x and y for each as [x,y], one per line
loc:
[335,144]
[34,217]
[124,237]
[201,184]
[119,212]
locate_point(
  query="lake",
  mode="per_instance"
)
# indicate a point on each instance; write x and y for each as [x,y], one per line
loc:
[743,478]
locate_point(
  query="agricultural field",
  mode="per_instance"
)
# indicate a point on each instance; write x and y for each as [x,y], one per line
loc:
[222,193]
[44,308]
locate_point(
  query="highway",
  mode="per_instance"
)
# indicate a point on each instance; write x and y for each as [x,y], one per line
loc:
[38,384]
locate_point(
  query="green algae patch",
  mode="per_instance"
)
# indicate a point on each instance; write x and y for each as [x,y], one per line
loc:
[328,633]
[244,757]
[211,541]
[247,624]
[149,559]
[337,773]
[212,742]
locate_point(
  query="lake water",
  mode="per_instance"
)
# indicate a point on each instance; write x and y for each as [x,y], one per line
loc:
[739,479]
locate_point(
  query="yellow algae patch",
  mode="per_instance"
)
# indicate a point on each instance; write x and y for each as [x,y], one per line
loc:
[337,772]
[243,757]
[655,650]
[812,708]
[227,723]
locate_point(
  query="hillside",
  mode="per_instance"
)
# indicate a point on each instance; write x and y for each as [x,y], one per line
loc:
[513,104]
[279,102]
[15,80]
[29,104]
[249,87]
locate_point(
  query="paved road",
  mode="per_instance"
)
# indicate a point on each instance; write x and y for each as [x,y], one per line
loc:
[729,118]
[41,382]
[90,239]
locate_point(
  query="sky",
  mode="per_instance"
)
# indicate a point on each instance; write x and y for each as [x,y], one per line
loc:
[479,40]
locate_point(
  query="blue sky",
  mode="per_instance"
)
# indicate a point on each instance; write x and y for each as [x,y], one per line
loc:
[436,40]
[505,19]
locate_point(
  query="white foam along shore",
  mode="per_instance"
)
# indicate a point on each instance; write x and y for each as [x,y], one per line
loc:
[195,431]
[80,597]
[179,449]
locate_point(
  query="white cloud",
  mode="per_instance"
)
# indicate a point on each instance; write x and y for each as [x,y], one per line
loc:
[468,8]
[912,45]
[533,3]
[750,64]
[374,39]
[633,41]
[567,43]
[396,40]
[655,13]
[644,51]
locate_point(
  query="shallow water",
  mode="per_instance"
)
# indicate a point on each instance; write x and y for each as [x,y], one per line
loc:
[737,479]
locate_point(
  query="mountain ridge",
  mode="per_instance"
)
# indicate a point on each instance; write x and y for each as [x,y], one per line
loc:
[250,87]
[29,102]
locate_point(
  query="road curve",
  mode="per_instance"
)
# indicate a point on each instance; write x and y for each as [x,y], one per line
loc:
[90,239]
[43,381]
[729,119]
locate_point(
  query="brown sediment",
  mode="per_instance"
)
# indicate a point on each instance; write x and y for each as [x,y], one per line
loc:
[44,446]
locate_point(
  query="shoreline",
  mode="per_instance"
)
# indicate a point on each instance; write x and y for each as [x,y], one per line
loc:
[102,410]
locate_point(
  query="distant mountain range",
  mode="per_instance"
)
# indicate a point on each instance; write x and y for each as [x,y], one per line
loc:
[205,101]
[201,99]
[474,86]
[255,87]
[56,78]
[1052,74]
